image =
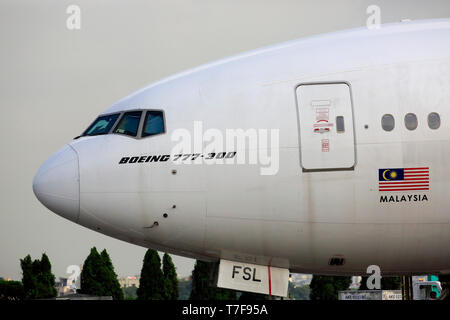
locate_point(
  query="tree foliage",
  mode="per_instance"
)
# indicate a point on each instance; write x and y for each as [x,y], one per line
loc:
[201,289]
[46,279]
[151,283]
[98,277]
[91,276]
[363,283]
[11,290]
[130,293]
[170,278]
[299,293]
[184,288]
[391,283]
[37,278]
[387,283]
[29,280]
[327,287]
[111,282]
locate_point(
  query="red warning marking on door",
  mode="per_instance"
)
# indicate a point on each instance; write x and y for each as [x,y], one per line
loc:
[322,114]
[322,124]
[325,145]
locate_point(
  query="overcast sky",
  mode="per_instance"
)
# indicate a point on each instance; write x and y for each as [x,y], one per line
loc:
[54,82]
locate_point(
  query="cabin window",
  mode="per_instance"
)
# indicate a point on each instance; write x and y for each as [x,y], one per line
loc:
[387,122]
[434,120]
[411,121]
[129,123]
[102,125]
[153,123]
[340,124]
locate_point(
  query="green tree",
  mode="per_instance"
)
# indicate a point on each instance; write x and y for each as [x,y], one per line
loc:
[184,288]
[130,292]
[445,281]
[98,277]
[391,283]
[201,289]
[111,282]
[327,287]
[170,278]
[11,290]
[387,283]
[299,293]
[29,279]
[91,276]
[363,283]
[151,282]
[46,279]
[37,278]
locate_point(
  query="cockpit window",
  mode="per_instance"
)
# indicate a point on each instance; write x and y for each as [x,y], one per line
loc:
[153,124]
[129,123]
[102,125]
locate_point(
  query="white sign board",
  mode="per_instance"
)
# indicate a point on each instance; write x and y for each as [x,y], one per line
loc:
[392,295]
[370,295]
[253,278]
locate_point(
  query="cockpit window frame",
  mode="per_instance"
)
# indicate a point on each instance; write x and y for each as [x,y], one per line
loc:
[140,127]
[84,134]
[143,123]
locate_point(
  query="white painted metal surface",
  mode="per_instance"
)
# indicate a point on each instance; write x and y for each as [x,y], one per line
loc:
[292,219]
[324,144]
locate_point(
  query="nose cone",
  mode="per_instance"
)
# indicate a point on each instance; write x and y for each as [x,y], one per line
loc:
[57,184]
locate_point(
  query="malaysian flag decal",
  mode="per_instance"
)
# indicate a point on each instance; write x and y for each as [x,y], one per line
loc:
[404,179]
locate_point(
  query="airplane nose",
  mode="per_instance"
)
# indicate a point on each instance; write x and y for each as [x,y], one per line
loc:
[57,184]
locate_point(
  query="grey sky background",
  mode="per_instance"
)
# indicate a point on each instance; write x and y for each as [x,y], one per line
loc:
[54,82]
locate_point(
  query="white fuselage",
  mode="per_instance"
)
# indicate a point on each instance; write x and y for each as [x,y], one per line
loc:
[319,204]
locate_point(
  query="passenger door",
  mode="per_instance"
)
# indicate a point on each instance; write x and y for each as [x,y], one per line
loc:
[325,118]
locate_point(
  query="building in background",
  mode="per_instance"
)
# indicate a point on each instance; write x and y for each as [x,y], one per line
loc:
[6,279]
[300,279]
[356,282]
[129,281]
[65,286]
